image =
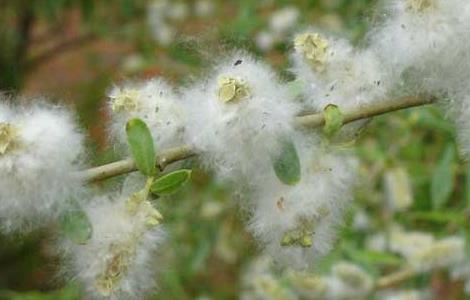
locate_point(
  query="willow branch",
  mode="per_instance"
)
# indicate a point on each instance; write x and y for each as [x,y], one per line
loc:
[308,121]
[395,279]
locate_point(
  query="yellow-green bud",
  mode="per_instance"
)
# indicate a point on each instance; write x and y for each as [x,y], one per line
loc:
[9,138]
[115,269]
[232,89]
[419,5]
[313,48]
[126,101]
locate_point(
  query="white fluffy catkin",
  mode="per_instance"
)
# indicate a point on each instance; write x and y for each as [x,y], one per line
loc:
[156,104]
[116,263]
[237,116]
[297,224]
[420,39]
[332,71]
[40,149]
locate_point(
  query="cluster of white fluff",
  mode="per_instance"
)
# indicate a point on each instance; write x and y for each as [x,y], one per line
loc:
[154,102]
[117,261]
[421,250]
[281,23]
[345,281]
[237,117]
[423,45]
[334,72]
[297,224]
[40,149]
[162,14]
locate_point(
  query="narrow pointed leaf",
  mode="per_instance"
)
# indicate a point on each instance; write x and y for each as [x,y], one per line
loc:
[442,183]
[287,164]
[141,145]
[170,183]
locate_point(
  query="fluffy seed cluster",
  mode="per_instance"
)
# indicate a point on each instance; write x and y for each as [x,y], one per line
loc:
[334,72]
[237,116]
[155,103]
[297,224]
[40,149]
[344,281]
[116,263]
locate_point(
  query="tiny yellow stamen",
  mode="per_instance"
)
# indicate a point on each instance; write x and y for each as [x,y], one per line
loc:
[115,269]
[232,89]
[9,138]
[126,101]
[420,5]
[314,49]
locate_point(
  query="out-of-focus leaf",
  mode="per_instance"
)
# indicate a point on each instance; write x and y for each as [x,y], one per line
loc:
[141,145]
[287,164]
[375,257]
[87,7]
[76,226]
[467,188]
[170,183]
[437,216]
[442,183]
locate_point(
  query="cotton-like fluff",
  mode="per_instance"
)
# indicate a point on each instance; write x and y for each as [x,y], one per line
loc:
[259,282]
[444,253]
[419,36]
[40,149]
[424,253]
[156,104]
[117,262]
[458,110]
[333,72]
[237,116]
[297,224]
[346,281]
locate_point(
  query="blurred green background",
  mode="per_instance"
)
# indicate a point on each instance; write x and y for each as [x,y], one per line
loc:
[74,50]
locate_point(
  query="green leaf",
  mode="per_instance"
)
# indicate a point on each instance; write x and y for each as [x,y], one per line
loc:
[287,164]
[467,187]
[76,226]
[141,145]
[170,183]
[442,183]
[333,120]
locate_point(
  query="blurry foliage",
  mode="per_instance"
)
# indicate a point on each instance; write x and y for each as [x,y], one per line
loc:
[207,248]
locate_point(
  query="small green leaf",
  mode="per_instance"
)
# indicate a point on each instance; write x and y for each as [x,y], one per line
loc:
[287,164]
[333,120]
[170,183]
[442,183]
[76,226]
[141,145]
[467,187]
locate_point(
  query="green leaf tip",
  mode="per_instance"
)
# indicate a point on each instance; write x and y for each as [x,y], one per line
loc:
[171,182]
[141,145]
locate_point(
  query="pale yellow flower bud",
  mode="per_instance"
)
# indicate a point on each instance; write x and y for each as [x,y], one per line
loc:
[9,138]
[313,48]
[232,89]
[126,101]
[420,5]
[116,268]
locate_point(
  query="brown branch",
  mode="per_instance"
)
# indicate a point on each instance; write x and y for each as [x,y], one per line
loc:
[60,48]
[308,121]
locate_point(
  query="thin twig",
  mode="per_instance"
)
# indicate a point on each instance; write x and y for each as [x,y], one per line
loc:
[395,279]
[309,121]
